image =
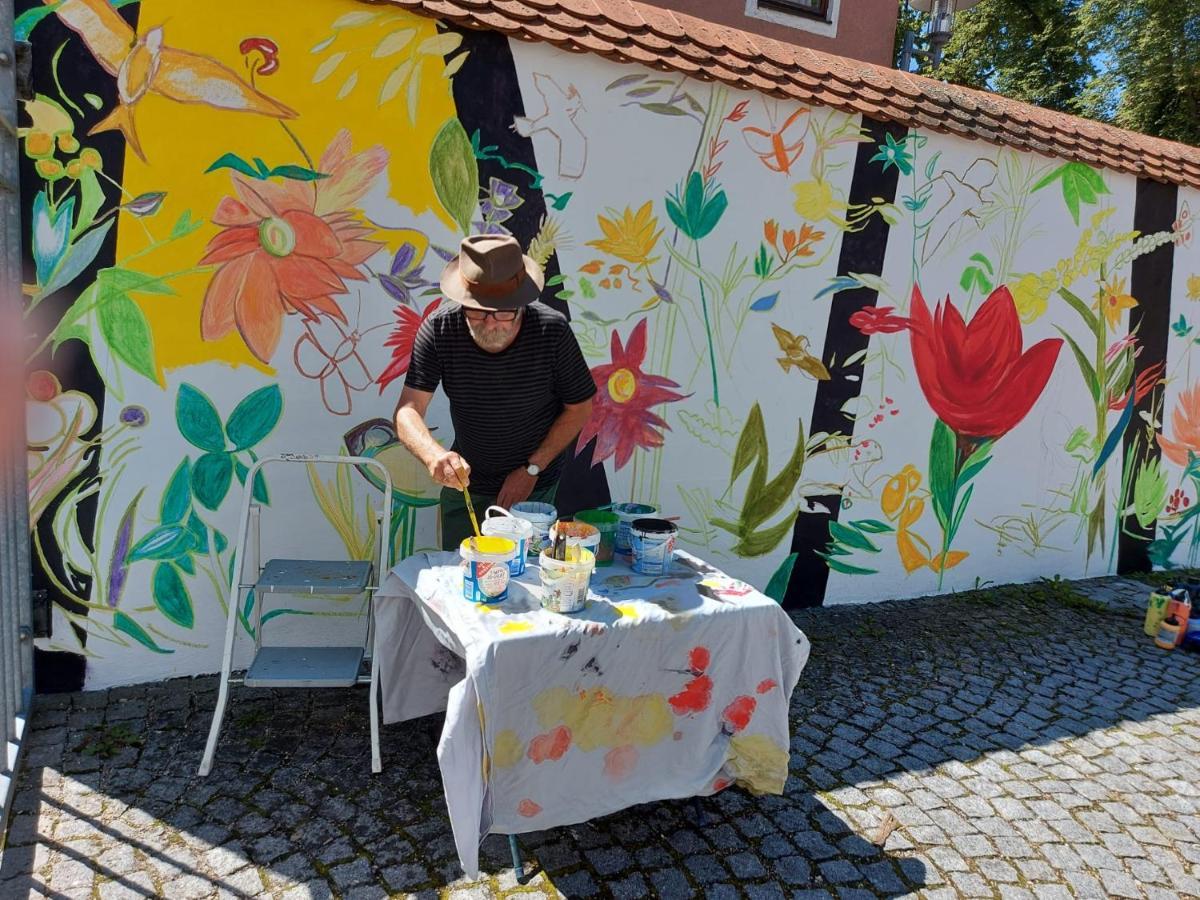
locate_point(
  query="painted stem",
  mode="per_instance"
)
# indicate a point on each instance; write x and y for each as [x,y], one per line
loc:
[712,358]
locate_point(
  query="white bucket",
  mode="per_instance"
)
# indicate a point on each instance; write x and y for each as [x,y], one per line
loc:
[565,582]
[653,546]
[505,524]
[541,516]
[485,568]
[578,534]
[626,513]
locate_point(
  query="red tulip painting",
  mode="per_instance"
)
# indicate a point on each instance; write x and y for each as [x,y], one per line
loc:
[981,382]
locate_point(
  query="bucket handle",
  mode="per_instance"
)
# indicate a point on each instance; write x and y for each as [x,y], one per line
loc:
[502,512]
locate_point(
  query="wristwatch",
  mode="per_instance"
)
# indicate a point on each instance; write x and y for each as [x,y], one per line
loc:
[533,469]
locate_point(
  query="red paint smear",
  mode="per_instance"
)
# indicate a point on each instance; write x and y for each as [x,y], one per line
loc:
[551,745]
[695,696]
[699,658]
[766,685]
[738,713]
[528,808]
[721,783]
[619,762]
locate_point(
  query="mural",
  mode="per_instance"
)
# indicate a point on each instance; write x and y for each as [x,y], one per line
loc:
[856,360]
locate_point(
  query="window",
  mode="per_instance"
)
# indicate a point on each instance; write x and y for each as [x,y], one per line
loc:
[815,16]
[818,9]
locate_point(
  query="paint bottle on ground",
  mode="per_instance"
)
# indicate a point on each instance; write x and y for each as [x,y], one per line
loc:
[1180,608]
[1168,633]
[1156,610]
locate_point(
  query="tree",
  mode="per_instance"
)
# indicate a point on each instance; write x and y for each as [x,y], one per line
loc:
[1025,49]
[1132,62]
[1152,82]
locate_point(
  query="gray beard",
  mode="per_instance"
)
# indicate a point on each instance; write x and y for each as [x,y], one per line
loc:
[492,342]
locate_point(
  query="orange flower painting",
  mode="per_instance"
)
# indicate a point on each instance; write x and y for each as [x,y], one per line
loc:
[1185,428]
[288,247]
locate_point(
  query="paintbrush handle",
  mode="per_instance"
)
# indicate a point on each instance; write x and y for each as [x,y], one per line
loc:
[470,506]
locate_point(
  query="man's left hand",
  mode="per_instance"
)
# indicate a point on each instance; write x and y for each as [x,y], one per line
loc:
[517,487]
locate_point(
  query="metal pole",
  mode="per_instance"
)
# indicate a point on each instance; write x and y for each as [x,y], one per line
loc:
[16,646]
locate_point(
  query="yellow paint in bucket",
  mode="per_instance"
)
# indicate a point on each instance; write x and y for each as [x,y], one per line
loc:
[485,568]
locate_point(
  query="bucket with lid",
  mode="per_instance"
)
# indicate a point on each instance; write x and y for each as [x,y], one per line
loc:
[541,516]
[505,524]
[626,514]
[605,522]
[653,545]
[485,568]
[565,582]
[578,534]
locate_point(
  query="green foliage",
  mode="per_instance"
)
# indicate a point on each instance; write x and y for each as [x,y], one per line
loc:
[455,173]
[106,741]
[696,206]
[1081,186]
[1131,62]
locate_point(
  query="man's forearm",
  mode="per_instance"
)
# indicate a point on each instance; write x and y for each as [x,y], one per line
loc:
[415,435]
[564,430]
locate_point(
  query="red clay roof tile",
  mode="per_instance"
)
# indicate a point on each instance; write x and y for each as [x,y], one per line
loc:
[630,31]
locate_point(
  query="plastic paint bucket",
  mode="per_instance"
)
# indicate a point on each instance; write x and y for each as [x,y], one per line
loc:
[626,513]
[653,545]
[541,516]
[565,583]
[606,523]
[485,568]
[578,534]
[505,524]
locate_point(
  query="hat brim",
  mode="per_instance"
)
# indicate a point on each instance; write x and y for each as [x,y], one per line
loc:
[454,287]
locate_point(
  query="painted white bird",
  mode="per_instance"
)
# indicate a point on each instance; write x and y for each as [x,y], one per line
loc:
[558,120]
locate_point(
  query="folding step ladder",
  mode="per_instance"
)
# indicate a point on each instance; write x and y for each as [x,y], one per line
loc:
[304,667]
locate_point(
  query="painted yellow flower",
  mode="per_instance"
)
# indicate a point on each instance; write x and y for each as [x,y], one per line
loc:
[898,487]
[1031,294]
[1193,287]
[814,200]
[628,235]
[1114,300]
[913,549]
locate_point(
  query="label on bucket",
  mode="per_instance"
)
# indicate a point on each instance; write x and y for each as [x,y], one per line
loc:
[485,582]
[652,552]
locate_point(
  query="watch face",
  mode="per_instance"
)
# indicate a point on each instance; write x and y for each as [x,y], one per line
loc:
[533,469]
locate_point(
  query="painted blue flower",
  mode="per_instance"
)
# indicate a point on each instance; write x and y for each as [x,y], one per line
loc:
[893,153]
[134,416]
[404,277]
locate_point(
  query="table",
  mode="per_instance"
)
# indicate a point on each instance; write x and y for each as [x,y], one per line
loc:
[662,688]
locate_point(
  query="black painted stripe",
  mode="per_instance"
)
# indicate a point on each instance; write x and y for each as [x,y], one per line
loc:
[863,252]
[1150,284]
[487,96]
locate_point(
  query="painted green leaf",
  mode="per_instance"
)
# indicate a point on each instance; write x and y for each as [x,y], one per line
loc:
[127,333]
[199,532]
[198,419]
[177,498]
[184,225]
[268,616]
[778,585]
[872,526]
[974,464]
[440,44]
[185,564]
[1095,326]
[959,512]
[941,471]
[775,493]
[171,596]
[93,101]
[760,543]
[220,541]
[260,488]
[24,24]
[836,565]
[235,162]
[713,209]
[1085,365]
[851,538]
[91,198]
[126,625]
[663,109]
[1149,492]
[298,173]
[1081,185]
[211,477]
[255,417]
[163,542]
[751,443]
[50,235]
[74,323]
[455,173]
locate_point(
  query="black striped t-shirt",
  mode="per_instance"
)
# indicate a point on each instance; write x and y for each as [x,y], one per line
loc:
[502,404]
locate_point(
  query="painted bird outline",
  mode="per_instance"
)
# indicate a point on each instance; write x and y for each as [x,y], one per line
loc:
[558,120]
[144,64]
[795,353]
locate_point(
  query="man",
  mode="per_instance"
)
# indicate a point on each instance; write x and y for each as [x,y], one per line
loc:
[518,386]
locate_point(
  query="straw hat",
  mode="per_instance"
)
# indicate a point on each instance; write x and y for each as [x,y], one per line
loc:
[491,272]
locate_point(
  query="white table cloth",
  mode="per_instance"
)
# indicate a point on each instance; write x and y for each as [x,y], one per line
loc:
[667,687]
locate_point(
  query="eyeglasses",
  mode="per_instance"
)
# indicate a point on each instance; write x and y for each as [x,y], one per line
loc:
[500,315]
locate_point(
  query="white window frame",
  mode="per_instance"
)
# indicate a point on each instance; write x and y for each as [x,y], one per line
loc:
[798,20]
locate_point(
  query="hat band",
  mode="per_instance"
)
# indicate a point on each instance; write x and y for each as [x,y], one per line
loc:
[495,288]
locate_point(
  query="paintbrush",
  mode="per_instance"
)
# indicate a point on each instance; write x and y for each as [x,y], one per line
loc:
[470,508]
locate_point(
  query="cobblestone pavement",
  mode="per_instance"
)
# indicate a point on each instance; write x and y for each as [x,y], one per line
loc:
[1017,742]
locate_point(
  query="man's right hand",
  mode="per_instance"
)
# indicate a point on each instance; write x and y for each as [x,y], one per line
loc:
[450,470]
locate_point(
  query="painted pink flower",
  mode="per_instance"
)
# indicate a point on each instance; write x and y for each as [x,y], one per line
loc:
[878,320]
[621,418]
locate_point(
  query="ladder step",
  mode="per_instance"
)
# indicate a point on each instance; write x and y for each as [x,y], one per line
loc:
[305,667]
[315,576]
